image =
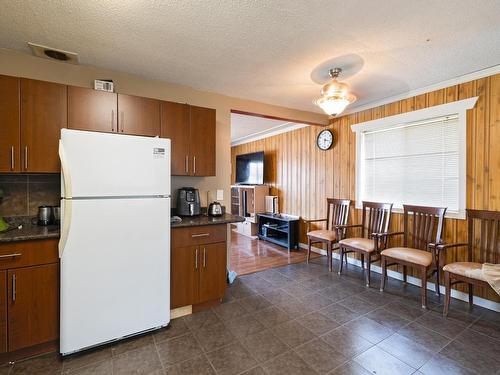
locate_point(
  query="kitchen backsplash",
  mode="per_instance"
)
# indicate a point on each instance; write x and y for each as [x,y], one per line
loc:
[24,193]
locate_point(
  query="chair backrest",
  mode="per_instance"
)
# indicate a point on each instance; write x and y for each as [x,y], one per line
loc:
[337,212]
[376,218]
[488,243]
[426,225]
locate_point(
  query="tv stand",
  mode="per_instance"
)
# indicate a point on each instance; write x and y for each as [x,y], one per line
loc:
[248,201]
[280,229]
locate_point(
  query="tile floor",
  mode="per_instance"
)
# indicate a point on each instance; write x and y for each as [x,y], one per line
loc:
[300,319]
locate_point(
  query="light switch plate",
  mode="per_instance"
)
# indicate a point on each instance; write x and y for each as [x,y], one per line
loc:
[220,195]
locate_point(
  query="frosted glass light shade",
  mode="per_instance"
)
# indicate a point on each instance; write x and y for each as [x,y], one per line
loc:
[335,98]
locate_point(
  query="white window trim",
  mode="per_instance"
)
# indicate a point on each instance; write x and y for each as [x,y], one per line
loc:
[459,108]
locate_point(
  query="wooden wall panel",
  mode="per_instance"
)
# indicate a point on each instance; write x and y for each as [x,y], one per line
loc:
[303,176]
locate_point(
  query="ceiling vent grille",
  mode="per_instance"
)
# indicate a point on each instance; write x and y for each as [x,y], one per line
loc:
[53,53]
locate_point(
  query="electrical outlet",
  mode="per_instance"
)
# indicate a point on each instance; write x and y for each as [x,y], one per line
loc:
[220,195]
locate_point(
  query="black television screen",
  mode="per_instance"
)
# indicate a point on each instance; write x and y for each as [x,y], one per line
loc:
[250,168]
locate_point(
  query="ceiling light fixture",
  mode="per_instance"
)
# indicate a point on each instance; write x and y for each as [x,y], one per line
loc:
[335,96]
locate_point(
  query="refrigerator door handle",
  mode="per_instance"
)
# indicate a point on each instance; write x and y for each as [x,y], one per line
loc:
[65,171]
[66,223]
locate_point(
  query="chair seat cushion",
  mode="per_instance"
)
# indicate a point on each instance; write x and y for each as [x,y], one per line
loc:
[364,244]
[409,254]
[467,269]
[323,234]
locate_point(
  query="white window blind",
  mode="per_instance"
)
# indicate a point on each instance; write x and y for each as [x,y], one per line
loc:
[413,163]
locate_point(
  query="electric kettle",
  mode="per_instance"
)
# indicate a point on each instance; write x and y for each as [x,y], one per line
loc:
[214,209]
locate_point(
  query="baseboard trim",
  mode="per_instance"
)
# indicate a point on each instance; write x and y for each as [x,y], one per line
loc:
[482,302]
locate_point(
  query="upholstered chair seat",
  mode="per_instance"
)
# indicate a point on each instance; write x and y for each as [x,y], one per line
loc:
[323,234]
[365,244]
[468,269]
[408,254]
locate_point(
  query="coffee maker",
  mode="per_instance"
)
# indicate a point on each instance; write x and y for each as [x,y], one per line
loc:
[188,202]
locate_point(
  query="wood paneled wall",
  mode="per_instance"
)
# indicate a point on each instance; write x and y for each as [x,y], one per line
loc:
[303,176]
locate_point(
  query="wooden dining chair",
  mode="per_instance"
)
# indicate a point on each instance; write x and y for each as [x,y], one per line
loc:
[337,214]
[375,220]
[485,250]
[418,250]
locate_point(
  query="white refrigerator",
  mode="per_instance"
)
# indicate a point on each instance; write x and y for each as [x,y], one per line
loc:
[115,237]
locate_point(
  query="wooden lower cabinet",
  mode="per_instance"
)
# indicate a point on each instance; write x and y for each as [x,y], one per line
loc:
[212,271]
[198,267]
[33,305]
[3,311]
[184,276]
[29,298]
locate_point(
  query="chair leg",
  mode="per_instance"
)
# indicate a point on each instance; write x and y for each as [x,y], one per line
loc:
[384,273]
[368,264]
[438,292]
[341,259]
[471,295]
[404,274]
[308,250]
[447,293]
[424,288]
[329,255]
[362,261]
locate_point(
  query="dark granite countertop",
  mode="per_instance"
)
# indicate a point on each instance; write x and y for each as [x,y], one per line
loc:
[34,232]
[29,232]
[198,221]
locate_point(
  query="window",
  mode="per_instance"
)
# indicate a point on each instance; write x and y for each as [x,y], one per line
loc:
[415,158]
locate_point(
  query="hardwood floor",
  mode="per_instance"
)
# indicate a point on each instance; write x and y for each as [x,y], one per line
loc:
[249,256]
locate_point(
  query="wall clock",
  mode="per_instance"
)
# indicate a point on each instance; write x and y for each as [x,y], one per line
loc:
[325,140]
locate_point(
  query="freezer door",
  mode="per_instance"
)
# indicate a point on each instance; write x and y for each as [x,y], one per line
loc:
[115,269]
[108,165]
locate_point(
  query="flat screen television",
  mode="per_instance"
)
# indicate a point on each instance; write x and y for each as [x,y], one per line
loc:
[250,168]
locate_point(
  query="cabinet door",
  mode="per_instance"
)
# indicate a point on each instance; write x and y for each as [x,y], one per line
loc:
[90,109]
[3,311]
[9,125]
[203,141]
[212,271]
[33,305]
[43,115]
[175,126]
[138,116]
[184,276]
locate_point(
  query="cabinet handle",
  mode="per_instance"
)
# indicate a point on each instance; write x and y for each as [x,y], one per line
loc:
[123,121]
[196,259]
[112,120]
[204,257]
[26,158]
[13,288]
[187,164]
[200,235]
[12,166]
[194,164]
[13,255]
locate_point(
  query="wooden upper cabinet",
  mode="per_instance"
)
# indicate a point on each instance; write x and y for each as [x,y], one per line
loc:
[9,125]
[138,116]
[175,126]
[43,115]
[90,109]
[202,147]
[33,298]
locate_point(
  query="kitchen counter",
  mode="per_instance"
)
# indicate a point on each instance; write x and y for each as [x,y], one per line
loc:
[197,221]
[34,232]
[29,232]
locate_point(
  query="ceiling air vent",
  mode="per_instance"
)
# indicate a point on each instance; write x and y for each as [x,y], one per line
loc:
[53,53]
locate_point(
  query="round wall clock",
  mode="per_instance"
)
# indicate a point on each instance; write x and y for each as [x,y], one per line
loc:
[325,139]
